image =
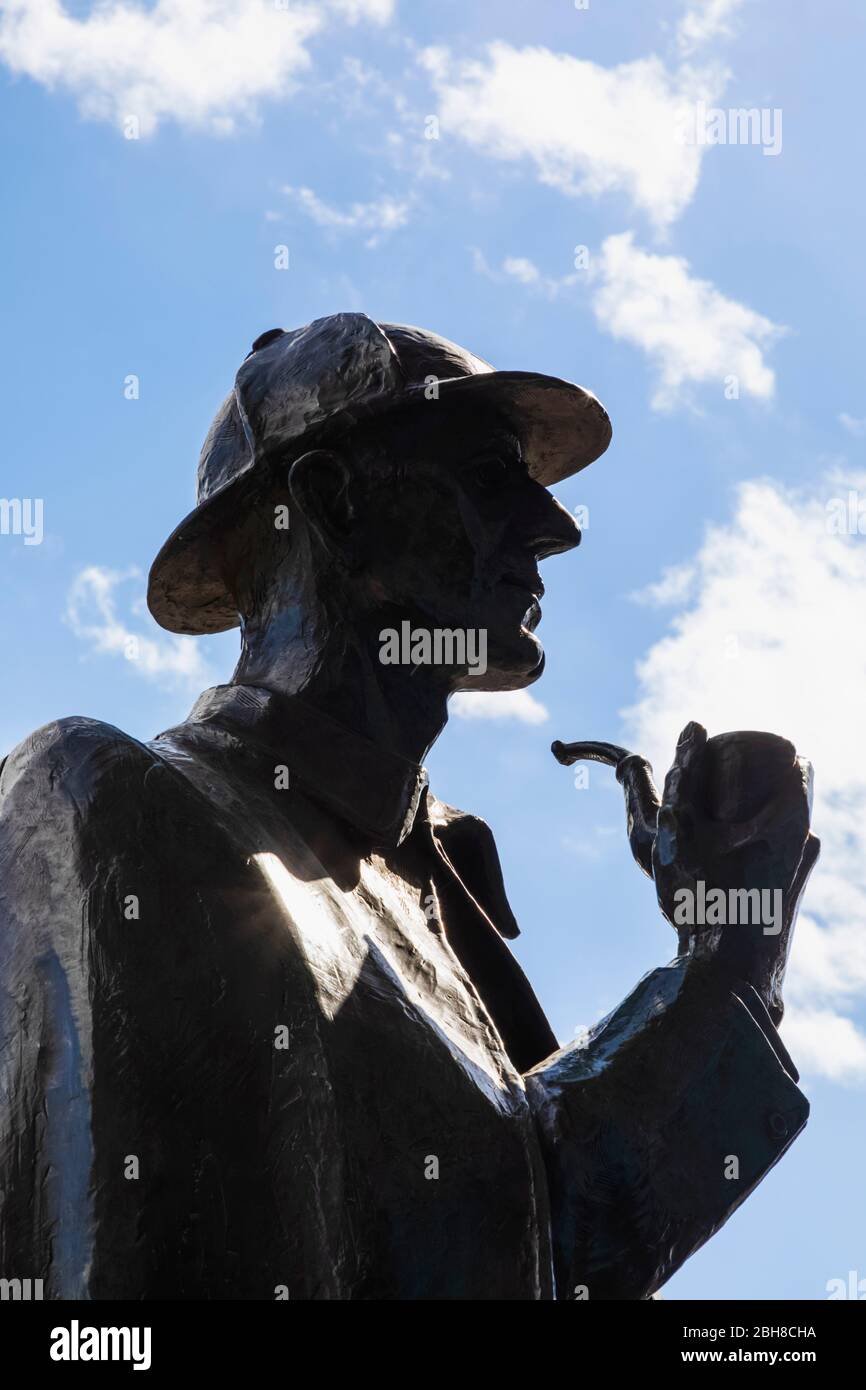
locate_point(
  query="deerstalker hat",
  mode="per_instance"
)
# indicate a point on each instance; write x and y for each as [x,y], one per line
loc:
[330,374]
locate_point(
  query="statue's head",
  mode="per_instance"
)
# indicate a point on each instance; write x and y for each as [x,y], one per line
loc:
[377,484]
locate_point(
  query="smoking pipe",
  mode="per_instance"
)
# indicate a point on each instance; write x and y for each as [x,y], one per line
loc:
[736,812]
[635,776]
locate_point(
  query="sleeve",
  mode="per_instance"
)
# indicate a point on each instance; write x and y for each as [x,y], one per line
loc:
[45,1036]
[657,1125]
[123,1063]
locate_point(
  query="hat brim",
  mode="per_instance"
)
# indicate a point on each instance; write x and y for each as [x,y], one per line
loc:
[562,429]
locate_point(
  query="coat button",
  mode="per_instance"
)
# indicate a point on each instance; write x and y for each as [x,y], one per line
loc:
[778,1124]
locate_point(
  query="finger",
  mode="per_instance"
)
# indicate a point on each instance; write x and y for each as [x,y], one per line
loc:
[642,801]
[666,841]
[688,753]
[811,850]
[690,745]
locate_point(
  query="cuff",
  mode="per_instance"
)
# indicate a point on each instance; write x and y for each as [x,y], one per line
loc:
[657,1126]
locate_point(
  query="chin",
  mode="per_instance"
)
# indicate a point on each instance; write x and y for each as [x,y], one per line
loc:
[511,666]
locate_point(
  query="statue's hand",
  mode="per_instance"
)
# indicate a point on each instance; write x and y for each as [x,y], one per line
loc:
[733,851]
[728,845]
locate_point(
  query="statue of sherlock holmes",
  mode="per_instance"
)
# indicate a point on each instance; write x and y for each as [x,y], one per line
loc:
[258,968]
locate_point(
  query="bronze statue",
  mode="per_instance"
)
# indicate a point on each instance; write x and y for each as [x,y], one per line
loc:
[262,1033]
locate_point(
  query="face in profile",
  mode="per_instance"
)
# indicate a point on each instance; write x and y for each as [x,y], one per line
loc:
[450,534]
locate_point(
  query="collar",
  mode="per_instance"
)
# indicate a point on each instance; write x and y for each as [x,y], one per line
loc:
[376,791]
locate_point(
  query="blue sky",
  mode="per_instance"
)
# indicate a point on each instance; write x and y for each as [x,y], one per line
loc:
[716,310]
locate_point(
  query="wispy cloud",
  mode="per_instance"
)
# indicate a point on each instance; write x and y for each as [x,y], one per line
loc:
[692,333]
[773,638]
[704,22]
[378,217]
[203,63]
[379,11]
[522,271]
[92,613]
[674,587]
[854,424]
[498,704]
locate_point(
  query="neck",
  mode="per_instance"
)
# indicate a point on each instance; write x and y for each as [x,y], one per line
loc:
[335,667]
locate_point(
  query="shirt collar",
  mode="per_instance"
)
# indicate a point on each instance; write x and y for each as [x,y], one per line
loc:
[376,791]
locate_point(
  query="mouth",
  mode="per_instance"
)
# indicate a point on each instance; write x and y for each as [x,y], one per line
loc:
[532,616]
[529,581]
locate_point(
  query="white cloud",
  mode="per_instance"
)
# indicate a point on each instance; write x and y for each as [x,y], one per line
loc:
[380,216]
[522,269]
[91,611]
[675,586]
[498,704]
[774,639]
[379,11]
[704,21]
[692,333]
[204,63]
[826,1044]
[587,129]
[524,272]
[855,425]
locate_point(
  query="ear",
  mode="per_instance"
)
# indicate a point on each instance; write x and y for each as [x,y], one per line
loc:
[320,486]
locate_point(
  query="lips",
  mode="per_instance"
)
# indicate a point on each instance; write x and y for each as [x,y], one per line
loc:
[532,616]
[529,581]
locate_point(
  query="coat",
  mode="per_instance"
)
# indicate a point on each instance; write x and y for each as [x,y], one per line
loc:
[262,1036]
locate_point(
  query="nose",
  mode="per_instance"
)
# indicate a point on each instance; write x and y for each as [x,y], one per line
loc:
[546,525]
